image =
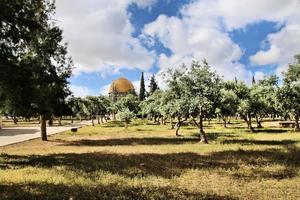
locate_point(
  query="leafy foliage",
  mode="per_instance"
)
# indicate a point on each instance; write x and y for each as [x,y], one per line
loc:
[142,93]
[34,64]
[153,85]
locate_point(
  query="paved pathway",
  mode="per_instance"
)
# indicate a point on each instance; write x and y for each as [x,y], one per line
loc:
[11,135]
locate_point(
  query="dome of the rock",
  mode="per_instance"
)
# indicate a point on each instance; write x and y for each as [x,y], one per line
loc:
[121,85]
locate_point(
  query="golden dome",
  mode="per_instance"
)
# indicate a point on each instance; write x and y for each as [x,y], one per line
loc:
[121,85]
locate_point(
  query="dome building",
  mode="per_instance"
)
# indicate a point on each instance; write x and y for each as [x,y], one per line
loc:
[120,88]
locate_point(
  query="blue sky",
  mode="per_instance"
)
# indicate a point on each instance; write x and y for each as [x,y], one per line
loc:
[109,39]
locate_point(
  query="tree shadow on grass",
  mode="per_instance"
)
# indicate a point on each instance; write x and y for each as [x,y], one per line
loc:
[258,142]
[168,165]
[114,124]
[271,130]
[237,127]
[210,136]
[130,141]
[143,129]
[35,190]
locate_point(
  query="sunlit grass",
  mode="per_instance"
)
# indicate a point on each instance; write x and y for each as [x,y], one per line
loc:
[147,161]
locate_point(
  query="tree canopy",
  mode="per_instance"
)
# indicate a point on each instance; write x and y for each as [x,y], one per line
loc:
[32,51]
[142,93]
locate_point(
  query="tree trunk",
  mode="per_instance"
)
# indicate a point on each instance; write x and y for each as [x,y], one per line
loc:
[202,135]
[225,122]
[72,121]
[59,121]
[155,119]
[43,128]
[249,122]
[50,122]
[297,126]
[15,120]
[171,122]
[273,117]
[93,121]
[178,124]
[161,120]
[258,122]
[98,119]
[0,122]
[208,119]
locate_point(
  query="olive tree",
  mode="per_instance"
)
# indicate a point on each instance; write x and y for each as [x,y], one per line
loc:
[167,107]
[289,93]
[127,108]
[130,101]
[150,106]
[92,105]
[125,115]
[199,86]
[34,66]
[103,108]
[228,104]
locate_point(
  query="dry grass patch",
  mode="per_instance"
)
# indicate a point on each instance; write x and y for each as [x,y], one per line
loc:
[147,161]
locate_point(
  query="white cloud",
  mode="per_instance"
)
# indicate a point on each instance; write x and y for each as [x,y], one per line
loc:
[80,91]
[283,46]
[99,34]
[104,90]
[259,75]
[100,38]
[189,40]
[238,14]
[202,32]
[281,69]
[266,57]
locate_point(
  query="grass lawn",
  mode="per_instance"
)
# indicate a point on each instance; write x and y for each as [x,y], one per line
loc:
[147,161]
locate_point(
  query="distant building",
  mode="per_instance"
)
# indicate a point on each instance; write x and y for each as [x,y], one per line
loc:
[120,88]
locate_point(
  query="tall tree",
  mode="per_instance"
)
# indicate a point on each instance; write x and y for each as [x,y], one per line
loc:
[104,107]
[142,93]
[246,103]
[130,102]
[179,99]
[201,88]
[150,106]
[289,93]
[18,25]
[253,80]
[127,107]
[32,50]
[153,85]
[92,104]
[125,115]
[229,102]
[264,92]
